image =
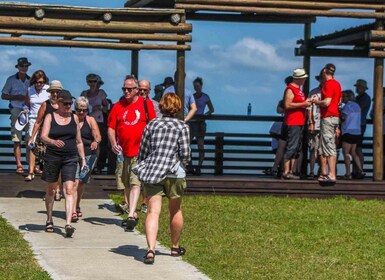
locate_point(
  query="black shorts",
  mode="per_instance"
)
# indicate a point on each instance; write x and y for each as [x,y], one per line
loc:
[54,166]
[197,128]
[350,138]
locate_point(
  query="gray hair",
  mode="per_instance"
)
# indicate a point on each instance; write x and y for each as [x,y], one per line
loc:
[132,77]
[81,100]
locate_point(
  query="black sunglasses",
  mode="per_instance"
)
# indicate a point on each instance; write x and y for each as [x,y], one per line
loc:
[81,110]
[143,89]
[39,82]
[92,81]
[124,89]
[67,103]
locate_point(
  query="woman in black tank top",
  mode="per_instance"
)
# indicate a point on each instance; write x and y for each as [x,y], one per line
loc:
[91,138]
[61,134]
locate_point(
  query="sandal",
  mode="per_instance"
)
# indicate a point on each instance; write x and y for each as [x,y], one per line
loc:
[29,177]
[147,259]
[74,218]
[347,177]
[326,179]
[57,196]
[78,212]
[69,230]
[19,170]
[49,227]
[131,223]
[179,251]
[38,172]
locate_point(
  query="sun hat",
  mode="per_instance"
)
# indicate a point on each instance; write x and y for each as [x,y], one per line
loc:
[23,61]
[99,80]
[21,121]
[65,95]
[318,77]
[361,82]
[55,85]
[299,73]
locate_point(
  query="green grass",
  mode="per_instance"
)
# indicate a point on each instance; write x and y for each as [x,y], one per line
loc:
[281,238]
[16,257]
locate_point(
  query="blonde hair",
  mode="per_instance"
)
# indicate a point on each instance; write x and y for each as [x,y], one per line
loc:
[81,100]
[170,104]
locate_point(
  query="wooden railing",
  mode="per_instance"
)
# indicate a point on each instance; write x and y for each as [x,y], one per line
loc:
[225,153]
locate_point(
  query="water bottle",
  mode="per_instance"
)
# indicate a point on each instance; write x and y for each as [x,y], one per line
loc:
[32,145]
[120,156]
[249,110]
[84,172]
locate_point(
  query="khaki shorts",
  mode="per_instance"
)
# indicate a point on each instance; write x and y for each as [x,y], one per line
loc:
[118,175]
[16,136]
[170,187]
[128,177]
[328,136]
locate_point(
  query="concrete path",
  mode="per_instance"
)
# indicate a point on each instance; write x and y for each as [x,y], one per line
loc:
[99,249]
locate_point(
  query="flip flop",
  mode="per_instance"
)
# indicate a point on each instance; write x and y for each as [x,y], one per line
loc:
[19,170]
[326,179]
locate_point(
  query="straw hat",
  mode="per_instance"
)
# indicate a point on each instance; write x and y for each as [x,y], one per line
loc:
[299,73]
[55,85]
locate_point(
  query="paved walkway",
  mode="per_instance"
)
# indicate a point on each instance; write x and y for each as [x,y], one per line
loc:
[99,249]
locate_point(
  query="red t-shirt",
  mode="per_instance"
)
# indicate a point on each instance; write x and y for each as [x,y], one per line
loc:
[295,116]
[331,89]
[129,121]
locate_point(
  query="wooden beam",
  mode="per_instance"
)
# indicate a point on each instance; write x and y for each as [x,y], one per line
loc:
[339,40]
[249,18]
[88,44]
[288,4]
[376,54]
[281,11]
[376,35]
[101,35]
[377,45]
[93,25]
[331,52]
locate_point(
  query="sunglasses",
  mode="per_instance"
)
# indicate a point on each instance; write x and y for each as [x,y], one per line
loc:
[143,89]
[39,82]
[124,89]
[81,110]
[91,81]
[67,103]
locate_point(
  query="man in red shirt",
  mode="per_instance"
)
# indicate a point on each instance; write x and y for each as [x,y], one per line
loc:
[126,123]
[329,107]
[295,108]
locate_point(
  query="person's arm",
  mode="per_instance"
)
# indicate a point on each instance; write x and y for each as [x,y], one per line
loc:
[144,149]
[184,145]
[211,108]
[112,137]
[309,114]
[322,103]
[289,104]
[27,102]
[45,132]
[191,113]
[39,120]
[79,143]
[95,132]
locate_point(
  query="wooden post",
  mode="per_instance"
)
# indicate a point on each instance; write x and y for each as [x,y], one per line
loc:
[306,89]
[180,80]
[135,63]
[378,114]
[219,142]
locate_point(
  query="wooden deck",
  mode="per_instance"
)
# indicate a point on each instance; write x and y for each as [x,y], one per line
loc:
[13,185]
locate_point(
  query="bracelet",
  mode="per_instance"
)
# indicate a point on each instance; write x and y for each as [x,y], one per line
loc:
[83,158]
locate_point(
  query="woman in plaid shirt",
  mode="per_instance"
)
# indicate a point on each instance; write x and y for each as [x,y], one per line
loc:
[164,152]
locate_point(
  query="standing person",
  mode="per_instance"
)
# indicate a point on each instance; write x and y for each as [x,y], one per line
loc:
[314,122]
[14,91]
[329,103]
[350,131]
[164,151]
[37,94]
[158,92]
[89,131]
[48,107]
[126,123]
[144,91]
[98,107]
[295,116]
[198,126]
[364,101]
[61,133]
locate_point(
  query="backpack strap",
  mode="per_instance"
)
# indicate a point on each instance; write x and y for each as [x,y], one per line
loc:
[146,109]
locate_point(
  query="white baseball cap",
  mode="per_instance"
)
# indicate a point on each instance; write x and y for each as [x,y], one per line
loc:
[21,121]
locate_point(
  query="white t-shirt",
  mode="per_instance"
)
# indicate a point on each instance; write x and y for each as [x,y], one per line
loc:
[36,99]
[315,108]
[352,114]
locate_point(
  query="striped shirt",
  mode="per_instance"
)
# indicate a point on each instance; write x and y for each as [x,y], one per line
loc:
[165,146]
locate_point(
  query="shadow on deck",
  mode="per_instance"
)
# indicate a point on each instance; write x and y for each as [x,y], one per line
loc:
[13,185]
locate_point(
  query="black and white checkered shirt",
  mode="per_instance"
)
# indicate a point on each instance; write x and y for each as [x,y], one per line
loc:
[165,145]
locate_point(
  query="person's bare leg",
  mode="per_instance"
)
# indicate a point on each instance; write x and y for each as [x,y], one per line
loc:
[152,220]
[201,151]
[80,192]
[68,189]
[313,158]
[133,200]
[127,195]
[356,158]
[279,154]
[323,161]
[49,200]
[32,158]
[332,166]
[286,166]
[75,195]
[293,165]
[176,220]
[17,153]
[346,147]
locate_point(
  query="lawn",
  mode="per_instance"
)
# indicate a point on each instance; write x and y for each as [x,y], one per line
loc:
[16,257]
[281,238]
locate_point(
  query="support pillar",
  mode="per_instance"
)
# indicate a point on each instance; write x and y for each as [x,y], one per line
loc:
[135,63]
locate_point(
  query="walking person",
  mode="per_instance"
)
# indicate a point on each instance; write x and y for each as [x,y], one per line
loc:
[329,103]
[98,108]
[61,134]
[126,123]
[14,91]
[47,107]
[198,126]
[164,153]
[295,116]
[37,94]
[89,131]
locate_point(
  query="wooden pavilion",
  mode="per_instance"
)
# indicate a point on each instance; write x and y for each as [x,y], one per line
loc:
[161,25]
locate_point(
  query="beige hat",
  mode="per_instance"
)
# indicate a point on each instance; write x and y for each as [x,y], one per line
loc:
[361,82]
[299,73]
[55,85]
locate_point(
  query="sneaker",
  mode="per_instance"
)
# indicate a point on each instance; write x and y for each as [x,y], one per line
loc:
[143,208]
[124,207]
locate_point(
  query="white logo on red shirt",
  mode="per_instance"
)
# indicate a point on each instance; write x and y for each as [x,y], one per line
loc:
[134,122]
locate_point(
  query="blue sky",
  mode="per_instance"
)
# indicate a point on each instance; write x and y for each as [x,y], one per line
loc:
[239,63]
